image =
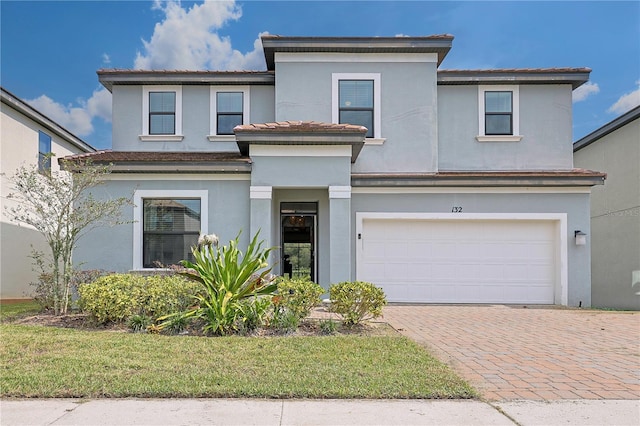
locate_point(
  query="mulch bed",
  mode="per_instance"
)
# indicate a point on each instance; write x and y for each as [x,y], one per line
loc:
[307,327]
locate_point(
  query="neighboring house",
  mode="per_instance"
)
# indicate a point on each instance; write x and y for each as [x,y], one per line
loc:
[26,137]
[445,186]
[615,211]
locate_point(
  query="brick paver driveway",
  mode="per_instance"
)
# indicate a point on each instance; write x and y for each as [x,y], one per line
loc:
[542,353]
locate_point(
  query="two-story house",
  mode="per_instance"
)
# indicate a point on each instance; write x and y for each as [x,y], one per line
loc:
[27,138]
[359,160]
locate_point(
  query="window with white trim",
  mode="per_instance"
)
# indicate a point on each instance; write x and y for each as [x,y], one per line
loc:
[356,100]
[167,225]
[161,113]
[499,114]
[229,108]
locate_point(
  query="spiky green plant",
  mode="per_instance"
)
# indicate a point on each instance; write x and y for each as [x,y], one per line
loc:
[228,276]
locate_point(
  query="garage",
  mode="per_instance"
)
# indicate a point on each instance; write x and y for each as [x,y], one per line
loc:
[460,259]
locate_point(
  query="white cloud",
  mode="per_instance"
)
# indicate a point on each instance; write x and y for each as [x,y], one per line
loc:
[77,119]
[626,102]
[584,91]
[99,104]
[187,39]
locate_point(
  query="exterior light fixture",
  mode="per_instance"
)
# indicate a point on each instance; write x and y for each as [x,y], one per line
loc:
[581,238]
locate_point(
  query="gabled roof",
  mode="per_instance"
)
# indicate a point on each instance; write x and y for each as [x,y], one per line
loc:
[440,44]
[22,107]
[610,127]
[109,77]
[574,76]
[163,162]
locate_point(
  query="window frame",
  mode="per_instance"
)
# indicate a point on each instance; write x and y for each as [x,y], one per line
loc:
[44,166]
[213,111]
[515,114]
[138,217]
[377,138]
[146,135]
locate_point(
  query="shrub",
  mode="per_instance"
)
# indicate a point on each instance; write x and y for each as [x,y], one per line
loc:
[118,297]
[356,301]
[285,321]
[327,326]
[253,312]
[298,296]
[227,277]
[43,293]
[139,323]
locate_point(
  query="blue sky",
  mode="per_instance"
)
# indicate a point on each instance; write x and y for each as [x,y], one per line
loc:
[50,50]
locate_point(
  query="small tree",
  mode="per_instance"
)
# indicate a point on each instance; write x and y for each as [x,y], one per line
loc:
[60,206]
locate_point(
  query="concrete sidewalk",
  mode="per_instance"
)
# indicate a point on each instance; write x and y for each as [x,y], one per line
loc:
[315,412]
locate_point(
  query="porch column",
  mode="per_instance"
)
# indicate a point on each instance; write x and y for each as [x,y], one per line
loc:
[339,234]
[261,213]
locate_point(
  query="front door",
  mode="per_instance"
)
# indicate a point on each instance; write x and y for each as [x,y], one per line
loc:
[298,228]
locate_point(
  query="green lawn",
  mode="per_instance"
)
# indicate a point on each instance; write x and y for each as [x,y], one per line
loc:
[37,361]
[15,309]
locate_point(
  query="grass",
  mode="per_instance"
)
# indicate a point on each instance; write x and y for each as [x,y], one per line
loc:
[13,310]
[46,362]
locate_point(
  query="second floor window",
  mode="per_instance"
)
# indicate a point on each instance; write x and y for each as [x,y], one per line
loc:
[229,111]
[44,152]
[356,103]
[498,109]
[162,113]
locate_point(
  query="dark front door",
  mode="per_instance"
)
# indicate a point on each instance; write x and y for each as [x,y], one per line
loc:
[298,227]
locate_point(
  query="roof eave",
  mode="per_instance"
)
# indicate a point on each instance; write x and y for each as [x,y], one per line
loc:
[575,78]
[610,127]
[430,44]
[109,78]
[444,180]
[19,105]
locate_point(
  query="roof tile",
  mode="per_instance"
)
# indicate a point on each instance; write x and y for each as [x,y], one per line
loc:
[301,127]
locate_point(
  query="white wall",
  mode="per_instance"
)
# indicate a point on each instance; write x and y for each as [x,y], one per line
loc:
[19,146]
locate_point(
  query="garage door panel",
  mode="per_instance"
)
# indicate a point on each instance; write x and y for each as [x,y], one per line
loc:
[460,261]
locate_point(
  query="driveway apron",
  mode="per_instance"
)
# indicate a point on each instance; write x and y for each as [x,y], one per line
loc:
[538,353]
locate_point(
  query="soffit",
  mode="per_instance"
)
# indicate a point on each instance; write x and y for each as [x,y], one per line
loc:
[574,76]
[440,44]
[110,77]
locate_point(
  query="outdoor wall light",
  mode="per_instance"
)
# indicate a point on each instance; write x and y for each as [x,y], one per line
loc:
[581,238]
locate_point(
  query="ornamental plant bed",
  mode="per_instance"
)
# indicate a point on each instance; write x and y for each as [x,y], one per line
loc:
[307,327]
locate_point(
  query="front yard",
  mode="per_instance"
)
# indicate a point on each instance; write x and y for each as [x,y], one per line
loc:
[39,361]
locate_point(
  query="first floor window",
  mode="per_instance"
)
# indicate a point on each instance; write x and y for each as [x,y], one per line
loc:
[171,226]
[498,110]
[356,103]
[162,113]
[229,111]
[44,151]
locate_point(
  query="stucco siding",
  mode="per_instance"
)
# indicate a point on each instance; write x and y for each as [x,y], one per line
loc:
[196,119]
[111,248]
[300,171]
[545,127]
[408,111]
[615,217]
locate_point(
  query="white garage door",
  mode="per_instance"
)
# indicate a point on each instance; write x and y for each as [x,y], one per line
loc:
[460,261]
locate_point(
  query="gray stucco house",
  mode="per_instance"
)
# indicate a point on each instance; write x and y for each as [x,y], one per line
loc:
[615,211]
[360,160]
